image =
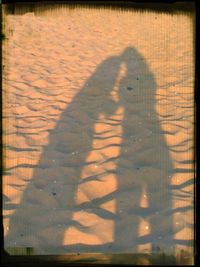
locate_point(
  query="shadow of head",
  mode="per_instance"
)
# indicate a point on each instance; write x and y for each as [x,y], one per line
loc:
[138,82]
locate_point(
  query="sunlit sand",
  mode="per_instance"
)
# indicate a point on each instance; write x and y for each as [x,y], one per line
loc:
[98,128]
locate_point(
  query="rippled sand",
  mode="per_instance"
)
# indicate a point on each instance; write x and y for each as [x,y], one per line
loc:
[98,131]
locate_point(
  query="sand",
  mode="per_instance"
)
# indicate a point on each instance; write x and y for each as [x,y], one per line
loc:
[98,115]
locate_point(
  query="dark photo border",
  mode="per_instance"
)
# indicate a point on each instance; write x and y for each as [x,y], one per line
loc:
[188,7]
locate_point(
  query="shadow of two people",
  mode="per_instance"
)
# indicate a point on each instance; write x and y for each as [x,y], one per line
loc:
[143,164]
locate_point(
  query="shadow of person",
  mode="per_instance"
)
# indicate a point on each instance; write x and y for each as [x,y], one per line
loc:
[48,202]
[144,202]
[142,173]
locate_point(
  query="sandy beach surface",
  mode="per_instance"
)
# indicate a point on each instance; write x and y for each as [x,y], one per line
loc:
[98,119]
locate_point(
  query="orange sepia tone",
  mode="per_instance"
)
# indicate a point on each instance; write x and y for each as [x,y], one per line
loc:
[98,115]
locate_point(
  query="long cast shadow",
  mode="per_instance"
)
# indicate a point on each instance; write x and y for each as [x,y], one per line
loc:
[143,169]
